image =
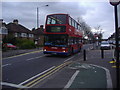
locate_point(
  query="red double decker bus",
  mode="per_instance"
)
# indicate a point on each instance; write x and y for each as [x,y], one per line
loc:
[62,35]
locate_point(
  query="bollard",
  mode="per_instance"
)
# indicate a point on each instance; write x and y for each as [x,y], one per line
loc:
[102,53]
[84,55]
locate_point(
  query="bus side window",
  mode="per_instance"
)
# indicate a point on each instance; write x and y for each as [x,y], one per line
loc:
[53,21]
[75,24]
[70,41]
[79,27]
[49,21]
[76,42]
[70,21]
[73,40]
[80,41]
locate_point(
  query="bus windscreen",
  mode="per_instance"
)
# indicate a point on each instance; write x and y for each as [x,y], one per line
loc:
[55,40]
[56,19]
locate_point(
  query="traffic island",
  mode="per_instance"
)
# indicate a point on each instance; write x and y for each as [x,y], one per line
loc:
[89,76]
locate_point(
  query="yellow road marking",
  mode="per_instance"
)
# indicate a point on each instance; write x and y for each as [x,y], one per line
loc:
[34,82]
[43,75]
[112,62]
[46,77]
[23,54]
[115,66]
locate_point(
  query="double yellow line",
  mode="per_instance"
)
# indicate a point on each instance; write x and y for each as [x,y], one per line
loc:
[46,75]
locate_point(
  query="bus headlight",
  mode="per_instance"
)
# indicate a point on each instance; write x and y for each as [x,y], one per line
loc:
[45,50]
[63,50]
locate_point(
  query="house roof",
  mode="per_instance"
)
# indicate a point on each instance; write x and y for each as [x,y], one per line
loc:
[38,31]
[12,27]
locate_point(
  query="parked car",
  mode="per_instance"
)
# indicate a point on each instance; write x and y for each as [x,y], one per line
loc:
[10,46]
[105,45]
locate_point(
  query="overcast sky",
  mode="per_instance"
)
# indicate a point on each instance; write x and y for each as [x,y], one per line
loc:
[93,13]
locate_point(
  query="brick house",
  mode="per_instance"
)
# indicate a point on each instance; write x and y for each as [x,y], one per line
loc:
[38,35]
[19,31]
[16,30]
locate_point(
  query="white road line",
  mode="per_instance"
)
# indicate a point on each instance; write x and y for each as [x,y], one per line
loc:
[30,59]
[36,75]
[5,65]
[13,85]
[72,79]
[108,76]
[35,58]
[69,58]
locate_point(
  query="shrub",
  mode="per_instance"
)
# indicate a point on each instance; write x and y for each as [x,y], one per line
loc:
[25,44]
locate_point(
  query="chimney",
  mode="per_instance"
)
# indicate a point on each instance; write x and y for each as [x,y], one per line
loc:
[41,27]
[1,21]
[15,21]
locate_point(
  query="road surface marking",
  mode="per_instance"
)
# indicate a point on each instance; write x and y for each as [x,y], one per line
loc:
[13,85]
[37,75]
[35,58]
[52,72]
[6,65]
[108,76]
[72,79]
[112,62]
[23,54]
[69,58]
[115,66]
[44,76]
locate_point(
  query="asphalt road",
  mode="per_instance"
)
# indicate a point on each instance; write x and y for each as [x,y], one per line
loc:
[21,69]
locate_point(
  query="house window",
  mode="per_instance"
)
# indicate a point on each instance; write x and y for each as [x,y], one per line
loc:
[16,34]
[23,34]
[31,35]
[19,34]
[3,30]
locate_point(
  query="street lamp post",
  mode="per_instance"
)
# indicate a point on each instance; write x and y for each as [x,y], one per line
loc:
[38,15]
[115,3]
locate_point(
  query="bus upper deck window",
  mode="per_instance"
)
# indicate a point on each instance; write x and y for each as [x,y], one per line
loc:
[56,19]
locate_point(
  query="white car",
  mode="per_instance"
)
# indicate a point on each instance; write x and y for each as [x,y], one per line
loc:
[105,45]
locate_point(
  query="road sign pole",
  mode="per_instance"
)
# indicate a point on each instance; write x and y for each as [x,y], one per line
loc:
[84,55]
[102,53]
[117,46]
